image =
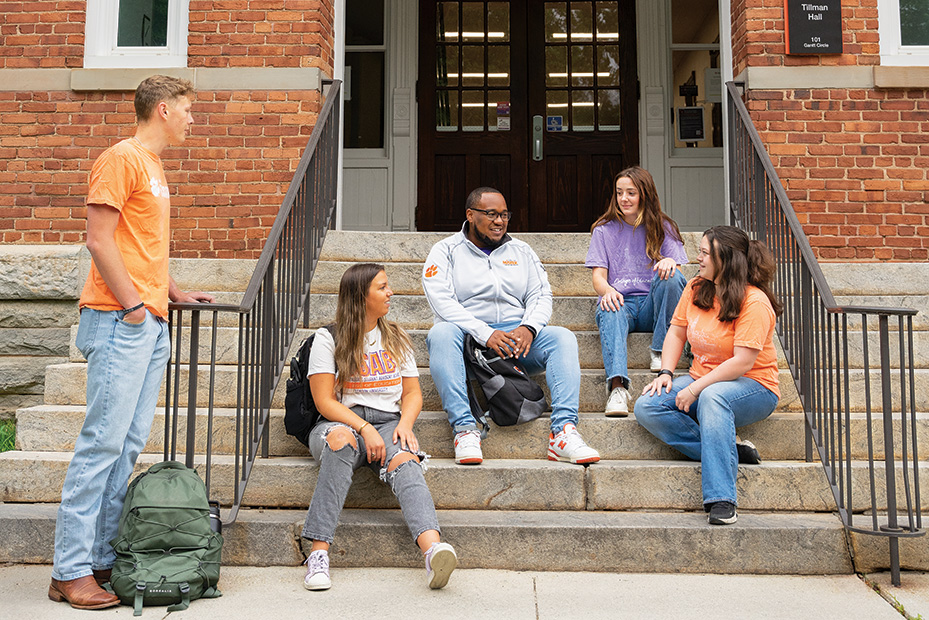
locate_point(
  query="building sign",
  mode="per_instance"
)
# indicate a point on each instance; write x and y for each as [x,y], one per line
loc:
[813,27]
[690,124]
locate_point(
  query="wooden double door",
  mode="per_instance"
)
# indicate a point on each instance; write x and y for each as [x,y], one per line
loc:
[536,99]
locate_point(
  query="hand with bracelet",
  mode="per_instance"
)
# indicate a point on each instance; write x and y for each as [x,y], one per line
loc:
[374,443]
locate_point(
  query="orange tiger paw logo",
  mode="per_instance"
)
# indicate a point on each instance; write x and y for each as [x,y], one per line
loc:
[432,271]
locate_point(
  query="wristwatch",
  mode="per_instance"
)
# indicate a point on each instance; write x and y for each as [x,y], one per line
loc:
[665,371]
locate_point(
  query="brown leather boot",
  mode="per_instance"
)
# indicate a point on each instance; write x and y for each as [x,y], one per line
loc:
[103,576]
[82,593]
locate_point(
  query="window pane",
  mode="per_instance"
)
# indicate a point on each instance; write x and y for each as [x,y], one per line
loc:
[364,112]
[697,83]
[142,23]
[582,110]
[498,65]
[694,21]
[556,66]
[582,27]
[472,65]
[556,104]
[446,17]
[608,65]
[446,65]
[607,21]
[446,110]
[914,22]
[609,111]
[582,65]
[364,22]
[498,22]
[472,110]
[556,22]
[472,21]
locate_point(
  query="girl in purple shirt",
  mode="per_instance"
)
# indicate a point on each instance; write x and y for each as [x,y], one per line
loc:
[635,250]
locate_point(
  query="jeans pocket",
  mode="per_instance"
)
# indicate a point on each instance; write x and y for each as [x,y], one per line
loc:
[87,330]
[121,314]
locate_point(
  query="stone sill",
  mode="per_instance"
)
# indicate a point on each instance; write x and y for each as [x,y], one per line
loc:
[901,77]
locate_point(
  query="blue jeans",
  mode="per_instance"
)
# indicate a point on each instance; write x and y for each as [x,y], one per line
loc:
[710,439]
[335,477]
[125,368]
[639,313]
[553,351]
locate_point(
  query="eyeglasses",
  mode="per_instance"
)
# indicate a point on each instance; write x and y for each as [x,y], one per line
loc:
[492,215]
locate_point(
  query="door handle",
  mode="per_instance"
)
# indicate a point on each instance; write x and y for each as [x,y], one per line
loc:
[538,126]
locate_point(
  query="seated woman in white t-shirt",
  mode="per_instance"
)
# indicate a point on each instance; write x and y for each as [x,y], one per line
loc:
[367,389]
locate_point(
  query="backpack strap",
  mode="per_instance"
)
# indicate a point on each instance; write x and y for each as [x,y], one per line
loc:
[185,598]
[139,597]
[479,415]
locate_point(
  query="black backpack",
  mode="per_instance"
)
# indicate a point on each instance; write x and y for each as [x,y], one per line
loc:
[510,396]
[300,412]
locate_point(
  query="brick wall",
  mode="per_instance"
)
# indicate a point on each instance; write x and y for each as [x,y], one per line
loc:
[230,176]
[853,161]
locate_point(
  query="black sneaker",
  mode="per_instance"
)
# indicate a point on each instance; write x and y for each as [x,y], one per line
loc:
[722,513]
[748,453]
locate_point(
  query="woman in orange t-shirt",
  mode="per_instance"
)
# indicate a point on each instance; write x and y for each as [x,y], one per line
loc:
[727,314]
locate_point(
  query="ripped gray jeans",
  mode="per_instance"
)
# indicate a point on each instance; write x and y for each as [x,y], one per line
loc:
[336,468]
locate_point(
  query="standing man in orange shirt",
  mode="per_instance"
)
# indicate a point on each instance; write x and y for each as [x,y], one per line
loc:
[123,334]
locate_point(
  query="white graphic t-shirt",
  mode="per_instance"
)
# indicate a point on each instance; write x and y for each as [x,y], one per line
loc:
[380,384]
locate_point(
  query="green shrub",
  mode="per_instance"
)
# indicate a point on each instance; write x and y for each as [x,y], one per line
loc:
[7,435]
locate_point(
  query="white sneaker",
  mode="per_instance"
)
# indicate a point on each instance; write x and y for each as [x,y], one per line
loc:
[441,560]
[468,448]
[569,446]
[654,363]
[317,571]
[617,406]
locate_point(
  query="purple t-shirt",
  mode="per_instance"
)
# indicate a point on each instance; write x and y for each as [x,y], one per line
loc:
[621,249]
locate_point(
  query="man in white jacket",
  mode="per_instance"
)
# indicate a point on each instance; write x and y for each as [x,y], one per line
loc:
[483,282]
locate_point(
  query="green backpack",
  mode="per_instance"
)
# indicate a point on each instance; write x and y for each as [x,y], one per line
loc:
[166,551]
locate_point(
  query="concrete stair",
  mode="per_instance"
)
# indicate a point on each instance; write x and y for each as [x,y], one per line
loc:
[637,510]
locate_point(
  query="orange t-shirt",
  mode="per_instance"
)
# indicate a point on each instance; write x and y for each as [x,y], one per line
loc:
[713,341]
[131,179]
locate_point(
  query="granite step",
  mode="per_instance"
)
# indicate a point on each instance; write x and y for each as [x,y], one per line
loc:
[53,428]
[66,385]
[596,541]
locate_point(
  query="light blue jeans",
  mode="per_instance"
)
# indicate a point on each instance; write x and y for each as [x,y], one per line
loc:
[639,313]
[125,368]
[553,351]
[710,438]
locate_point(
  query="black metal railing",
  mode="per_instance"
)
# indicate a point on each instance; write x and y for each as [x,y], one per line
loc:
[829,350]
[267,319]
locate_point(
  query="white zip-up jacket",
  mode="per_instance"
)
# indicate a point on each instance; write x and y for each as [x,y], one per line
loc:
[466,287]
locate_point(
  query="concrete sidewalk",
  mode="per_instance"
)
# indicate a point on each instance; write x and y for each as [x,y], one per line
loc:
[387,593]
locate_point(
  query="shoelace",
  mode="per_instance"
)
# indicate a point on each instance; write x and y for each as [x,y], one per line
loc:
[318,562]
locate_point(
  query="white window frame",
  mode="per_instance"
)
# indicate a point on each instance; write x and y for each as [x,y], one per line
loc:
[893,52]
[100,32]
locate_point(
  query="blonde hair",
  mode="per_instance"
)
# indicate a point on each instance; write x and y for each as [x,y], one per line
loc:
[350,319]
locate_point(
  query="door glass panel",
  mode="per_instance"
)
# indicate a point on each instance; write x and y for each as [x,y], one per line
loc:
[472,65]
[498,65]
[498,110]
[694,21]
[447,72]
[697,86]
[142,23]
[446,27]
[582,22]
[582,110]
[498,22]
[608,65]
[364,24]
[446,113]
[472,110]
[608,110]
[556,104]
[472,21]
[556,66]
[582,65]
[364,112]
[556,22]
[607,21]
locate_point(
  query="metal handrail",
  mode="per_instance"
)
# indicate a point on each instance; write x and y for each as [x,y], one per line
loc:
[821,354]
[267,317]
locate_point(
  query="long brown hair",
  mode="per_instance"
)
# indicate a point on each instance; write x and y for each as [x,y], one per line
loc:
[739,261]
[650,213]
[350,316]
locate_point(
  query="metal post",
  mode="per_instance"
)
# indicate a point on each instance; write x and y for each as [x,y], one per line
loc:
[193,366]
